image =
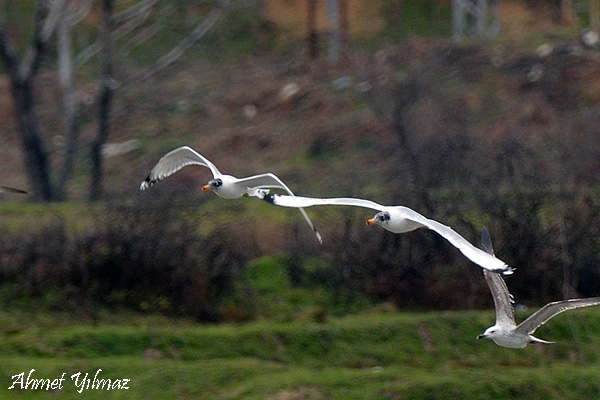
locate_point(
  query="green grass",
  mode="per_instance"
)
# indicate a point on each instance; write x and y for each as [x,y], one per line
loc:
[373,355]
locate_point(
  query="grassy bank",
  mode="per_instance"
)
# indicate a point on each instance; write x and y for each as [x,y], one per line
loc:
[384,355]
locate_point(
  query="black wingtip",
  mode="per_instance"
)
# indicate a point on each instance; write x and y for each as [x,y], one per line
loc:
[146,183]
[269,198]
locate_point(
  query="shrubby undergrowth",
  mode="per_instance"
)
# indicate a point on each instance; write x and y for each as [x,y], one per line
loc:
[158,260]
[128,257]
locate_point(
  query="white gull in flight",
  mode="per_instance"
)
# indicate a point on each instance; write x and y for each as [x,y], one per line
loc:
[400,219]
[226,186]
[506,332]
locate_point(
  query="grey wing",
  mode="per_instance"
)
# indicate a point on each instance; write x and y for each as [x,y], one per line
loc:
[503,300]
[299,201]
[175,160]
[505,312]
[264,181]
[7,189]
[478,256]
[486,241]
[550,310]
[269,180]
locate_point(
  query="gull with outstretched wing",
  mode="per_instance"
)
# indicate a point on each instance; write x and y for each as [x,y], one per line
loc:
[506,332]
[399,219]
[226,186]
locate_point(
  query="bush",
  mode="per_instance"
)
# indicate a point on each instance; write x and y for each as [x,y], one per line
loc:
[152,260]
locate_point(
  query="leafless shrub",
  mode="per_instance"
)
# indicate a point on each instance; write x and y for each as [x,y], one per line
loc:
[132,257]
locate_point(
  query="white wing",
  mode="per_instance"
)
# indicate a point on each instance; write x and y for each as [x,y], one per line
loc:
[541,316]
[6,189]
[271,181]
[263,181]
[505,312]
[473,253]
[298,201]
[175,160]
[476,255]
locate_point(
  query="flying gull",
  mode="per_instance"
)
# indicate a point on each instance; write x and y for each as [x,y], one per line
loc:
[400,219]
[226,186]
[506,332]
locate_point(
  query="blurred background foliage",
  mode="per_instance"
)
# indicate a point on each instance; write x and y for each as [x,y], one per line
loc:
[499,133]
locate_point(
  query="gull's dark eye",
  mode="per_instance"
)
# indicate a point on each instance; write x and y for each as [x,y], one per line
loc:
[383,217]
[217,182]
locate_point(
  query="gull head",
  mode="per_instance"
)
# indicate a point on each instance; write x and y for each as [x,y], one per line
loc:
[381,218]
[213,184]
[491,333]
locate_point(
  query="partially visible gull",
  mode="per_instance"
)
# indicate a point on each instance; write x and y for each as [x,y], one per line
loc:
[506,332]
[6,189]
[226,186]
[399,219]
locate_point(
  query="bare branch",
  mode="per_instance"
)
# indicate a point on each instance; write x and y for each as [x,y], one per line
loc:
[134,11]
[104,100]
[69,99]
[201,29]
[43,31]
[54,12]
[79,12]
[8,52]
[148,32]
[123,30]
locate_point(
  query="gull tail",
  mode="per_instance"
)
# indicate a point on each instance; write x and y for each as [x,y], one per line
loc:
[533,339]
[146,183]
[272,198]
[508,271]
[260,193]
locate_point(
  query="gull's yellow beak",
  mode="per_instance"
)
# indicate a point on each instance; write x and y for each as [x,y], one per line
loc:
[205,187]
[371,222]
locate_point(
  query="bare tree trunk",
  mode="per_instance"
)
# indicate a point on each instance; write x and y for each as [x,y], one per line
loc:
[457,20]
[21,73]
[482,7]
[333,15]
[105,103]
[36,157]
[313,39]
[595,15]
[410,158]
[567,17]
[69,100]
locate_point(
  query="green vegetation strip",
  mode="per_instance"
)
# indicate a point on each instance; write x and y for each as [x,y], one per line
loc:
[377,355]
